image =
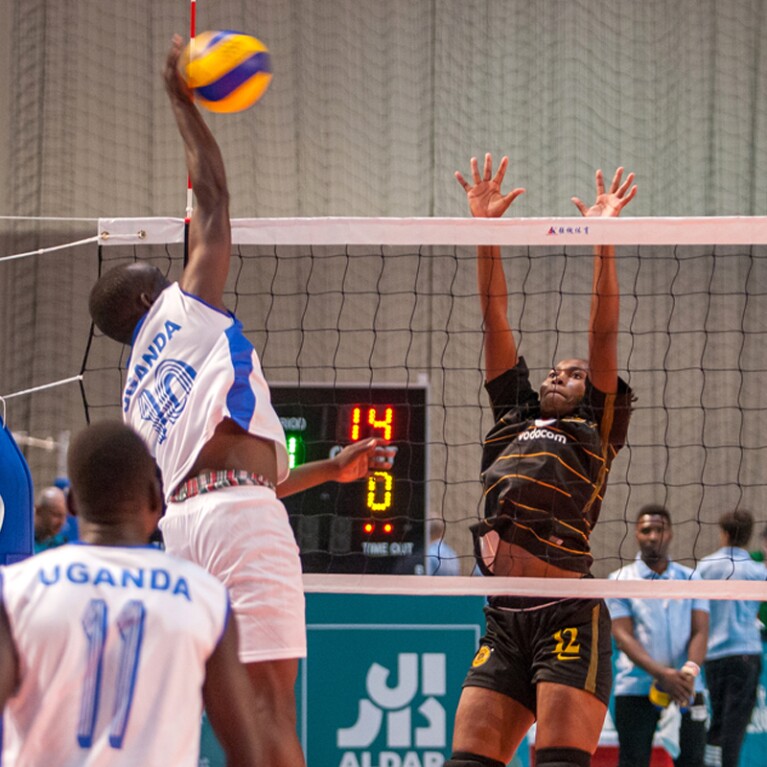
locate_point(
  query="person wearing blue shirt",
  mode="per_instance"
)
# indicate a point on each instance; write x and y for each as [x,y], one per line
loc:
[441,559]
[734,659]
[662,644]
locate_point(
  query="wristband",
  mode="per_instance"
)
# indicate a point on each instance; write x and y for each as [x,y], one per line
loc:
[692,668]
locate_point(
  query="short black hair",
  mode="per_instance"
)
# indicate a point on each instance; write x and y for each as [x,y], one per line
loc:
[654,510]
[737,526]
[115,300]
[111,468]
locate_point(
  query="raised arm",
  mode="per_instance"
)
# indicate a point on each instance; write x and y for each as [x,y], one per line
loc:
[605,294]
[487,201]
[210,235]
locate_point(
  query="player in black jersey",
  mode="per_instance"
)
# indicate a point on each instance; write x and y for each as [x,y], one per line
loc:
[544,467]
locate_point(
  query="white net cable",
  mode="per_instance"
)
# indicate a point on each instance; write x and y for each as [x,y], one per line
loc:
[703,230]
[578,588]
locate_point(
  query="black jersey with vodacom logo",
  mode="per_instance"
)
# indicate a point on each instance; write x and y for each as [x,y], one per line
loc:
[544,478]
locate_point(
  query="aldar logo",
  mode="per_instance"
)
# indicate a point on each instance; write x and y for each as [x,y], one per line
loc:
[412,719]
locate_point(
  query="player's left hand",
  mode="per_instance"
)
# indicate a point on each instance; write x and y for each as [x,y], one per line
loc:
[609,203]
[355,461]
[174,83]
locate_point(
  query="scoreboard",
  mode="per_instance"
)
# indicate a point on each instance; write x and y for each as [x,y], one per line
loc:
[374,525]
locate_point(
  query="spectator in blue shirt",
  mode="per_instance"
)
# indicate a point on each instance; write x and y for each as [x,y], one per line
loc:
[441,559]
[734,659]
[662,644]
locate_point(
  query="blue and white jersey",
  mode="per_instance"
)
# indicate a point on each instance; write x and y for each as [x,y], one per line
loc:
[191,366]
[733,627]
[662,626]
[112,645]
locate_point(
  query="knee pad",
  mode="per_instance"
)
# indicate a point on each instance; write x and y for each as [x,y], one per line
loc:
[465,759]
[562,757]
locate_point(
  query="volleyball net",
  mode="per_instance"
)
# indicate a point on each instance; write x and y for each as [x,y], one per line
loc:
[371,327]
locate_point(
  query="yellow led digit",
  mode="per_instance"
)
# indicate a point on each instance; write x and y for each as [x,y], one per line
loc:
[377,481]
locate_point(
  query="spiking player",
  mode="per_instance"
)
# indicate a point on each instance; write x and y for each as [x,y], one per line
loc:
[107,649]
[544,468]
[196,392]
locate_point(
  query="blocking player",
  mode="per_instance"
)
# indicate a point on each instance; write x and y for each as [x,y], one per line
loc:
[544,468]
[196,392]
[108,649]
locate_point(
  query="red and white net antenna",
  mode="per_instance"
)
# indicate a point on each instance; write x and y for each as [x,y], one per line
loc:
[189,190]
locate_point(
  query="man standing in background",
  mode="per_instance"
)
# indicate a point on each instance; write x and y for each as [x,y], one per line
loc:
[734,658]
[662,645]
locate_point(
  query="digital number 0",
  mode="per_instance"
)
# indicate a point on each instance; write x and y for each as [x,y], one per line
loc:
[380,485]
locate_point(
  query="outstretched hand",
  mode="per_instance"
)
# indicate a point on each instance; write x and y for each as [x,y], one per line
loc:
[485,197]
[174,83]
[609,203]
[355,461]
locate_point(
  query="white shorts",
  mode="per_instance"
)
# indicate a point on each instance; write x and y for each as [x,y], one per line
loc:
[242,536]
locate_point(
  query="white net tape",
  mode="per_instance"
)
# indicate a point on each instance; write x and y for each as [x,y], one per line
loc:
[559,232]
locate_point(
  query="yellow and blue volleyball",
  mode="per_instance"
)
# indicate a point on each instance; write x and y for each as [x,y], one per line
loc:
[228,71]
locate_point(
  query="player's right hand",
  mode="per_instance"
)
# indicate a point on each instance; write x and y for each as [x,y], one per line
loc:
[484,196]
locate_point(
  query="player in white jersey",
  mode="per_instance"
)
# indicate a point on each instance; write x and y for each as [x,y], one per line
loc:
[108,646]
[196,392]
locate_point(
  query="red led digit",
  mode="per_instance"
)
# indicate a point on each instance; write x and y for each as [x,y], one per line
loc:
[356,416]
[387,424]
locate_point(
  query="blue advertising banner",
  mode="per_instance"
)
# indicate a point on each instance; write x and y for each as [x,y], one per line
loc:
[383,676]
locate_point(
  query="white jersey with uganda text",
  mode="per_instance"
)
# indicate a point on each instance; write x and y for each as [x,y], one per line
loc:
[112,644]
[191,366]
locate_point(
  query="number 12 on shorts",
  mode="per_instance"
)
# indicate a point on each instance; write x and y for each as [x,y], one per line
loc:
[567,646]
[95,622]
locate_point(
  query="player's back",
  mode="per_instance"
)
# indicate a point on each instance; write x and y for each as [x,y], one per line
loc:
[112,646]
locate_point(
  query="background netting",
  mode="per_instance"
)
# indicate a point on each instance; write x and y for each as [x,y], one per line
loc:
[373,106]
[691,345]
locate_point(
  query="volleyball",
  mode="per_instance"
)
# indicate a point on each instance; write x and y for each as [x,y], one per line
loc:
[228,71]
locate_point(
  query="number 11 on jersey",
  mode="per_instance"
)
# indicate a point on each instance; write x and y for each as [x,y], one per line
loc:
[95,622]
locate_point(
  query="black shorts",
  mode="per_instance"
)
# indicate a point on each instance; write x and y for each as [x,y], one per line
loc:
[567,642]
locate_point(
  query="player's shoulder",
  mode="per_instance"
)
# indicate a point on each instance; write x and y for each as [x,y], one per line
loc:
[17,577]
